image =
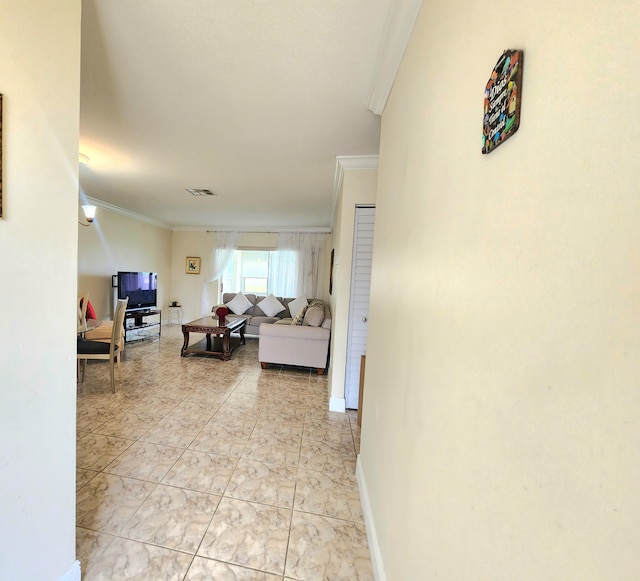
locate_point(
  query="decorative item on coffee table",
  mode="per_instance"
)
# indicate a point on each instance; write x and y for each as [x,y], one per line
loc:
[221,312]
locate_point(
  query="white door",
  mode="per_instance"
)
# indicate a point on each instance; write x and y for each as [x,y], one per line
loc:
[359,300]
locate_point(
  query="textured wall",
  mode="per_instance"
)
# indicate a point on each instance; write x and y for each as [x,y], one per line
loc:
[500,432]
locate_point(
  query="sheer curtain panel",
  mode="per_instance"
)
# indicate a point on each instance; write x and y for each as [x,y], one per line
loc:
[300,265]
[221,253]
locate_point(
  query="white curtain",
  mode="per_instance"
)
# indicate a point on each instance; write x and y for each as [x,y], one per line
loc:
[299,266]
[221,253]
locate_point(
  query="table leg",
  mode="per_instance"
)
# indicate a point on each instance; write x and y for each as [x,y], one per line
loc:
[242,341]
[208,341]
[226,350]
[185,344]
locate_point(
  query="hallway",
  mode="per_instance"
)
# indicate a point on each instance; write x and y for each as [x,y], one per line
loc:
[202,469]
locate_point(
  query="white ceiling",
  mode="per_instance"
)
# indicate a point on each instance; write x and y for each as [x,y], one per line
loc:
[252,99]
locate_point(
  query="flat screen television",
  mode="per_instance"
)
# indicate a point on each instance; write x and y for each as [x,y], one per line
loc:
[140,287]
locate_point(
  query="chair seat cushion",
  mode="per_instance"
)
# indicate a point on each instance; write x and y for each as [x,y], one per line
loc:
[93,347]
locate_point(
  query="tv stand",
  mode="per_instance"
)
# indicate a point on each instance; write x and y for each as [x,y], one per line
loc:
[139,321]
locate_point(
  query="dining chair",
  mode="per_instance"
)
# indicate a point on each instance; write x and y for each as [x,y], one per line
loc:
[105,351]
[103,333]
[83,301]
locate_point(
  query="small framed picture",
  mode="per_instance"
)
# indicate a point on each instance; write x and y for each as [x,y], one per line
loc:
[193,265]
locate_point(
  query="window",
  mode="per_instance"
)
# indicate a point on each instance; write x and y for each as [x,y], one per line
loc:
[247,272]
[263,272]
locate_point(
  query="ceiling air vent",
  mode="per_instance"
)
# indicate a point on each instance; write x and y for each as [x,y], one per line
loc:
[200,192]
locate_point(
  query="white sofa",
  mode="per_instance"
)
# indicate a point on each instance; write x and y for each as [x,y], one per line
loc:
[302,345]
[281,342]
[255,316]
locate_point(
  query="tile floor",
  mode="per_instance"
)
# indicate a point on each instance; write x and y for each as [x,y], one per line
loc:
[203,469]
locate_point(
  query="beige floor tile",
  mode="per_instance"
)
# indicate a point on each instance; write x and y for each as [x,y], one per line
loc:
[173,518]
[322,548]
[273,448]
[90,545]
[220,440]
[161,405]
[90,418]
[145,461]
[264,483]
[333,494]
[108,501]
[200,471]
[128,425]
[323,457]
[125,560]
[289,416]
[95,451]
[248,534]
[226,412]
[329,433]
[84,476]
[191,410]
[208,570]
[261,442]
[171,431]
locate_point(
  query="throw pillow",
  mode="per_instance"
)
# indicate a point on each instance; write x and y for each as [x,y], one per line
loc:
[314,315]
[271,306]
[239,304]
[297,320]
[91,312]
[297,304]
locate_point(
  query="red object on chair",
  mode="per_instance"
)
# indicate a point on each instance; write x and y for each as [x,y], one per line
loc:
[91,312]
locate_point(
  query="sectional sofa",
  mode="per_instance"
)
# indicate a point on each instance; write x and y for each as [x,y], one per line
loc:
[292,336]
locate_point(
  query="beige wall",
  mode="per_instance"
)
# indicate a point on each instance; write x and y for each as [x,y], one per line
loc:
[358,188]
[40,83]
[119,242]
[187,289]
[500,435]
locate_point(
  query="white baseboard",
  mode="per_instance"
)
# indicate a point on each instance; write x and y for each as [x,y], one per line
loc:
[73,574]
[337,404]
[372,537]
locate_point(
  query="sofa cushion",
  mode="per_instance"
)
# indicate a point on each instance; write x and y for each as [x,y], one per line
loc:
[314,314]
[257,320]
[297,320]
[239,304]
[296,304]
[271,306]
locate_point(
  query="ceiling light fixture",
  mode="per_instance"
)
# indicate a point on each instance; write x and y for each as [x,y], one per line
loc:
[200,192]
[89,214]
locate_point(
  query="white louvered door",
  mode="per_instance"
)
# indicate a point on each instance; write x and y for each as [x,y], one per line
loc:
[359,300]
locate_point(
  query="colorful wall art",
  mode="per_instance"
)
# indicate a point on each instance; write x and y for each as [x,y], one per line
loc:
[502,97]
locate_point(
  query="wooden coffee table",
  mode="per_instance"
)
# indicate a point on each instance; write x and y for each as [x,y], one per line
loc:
[221,344]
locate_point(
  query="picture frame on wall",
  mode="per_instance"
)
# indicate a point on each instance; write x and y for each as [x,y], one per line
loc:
[193,265]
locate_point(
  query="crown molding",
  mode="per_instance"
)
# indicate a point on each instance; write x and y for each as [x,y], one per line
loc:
[141,218]
[251,229]
[401,19]
[349,162]
[123,212]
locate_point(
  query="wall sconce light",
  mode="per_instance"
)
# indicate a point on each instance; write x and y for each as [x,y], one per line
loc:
[89,214]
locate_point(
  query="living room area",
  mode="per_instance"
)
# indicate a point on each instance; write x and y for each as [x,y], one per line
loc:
[197,465]
[120,240]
